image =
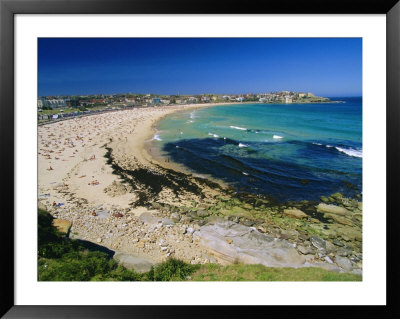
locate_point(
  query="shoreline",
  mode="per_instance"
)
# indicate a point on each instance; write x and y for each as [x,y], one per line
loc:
[100,176]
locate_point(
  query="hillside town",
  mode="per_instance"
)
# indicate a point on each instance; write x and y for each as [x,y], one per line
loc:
[58,107]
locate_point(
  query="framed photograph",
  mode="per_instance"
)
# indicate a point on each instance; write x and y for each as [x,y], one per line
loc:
[165,154]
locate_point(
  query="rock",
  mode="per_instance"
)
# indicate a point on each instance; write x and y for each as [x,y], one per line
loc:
[332,209]
[62,225]
[147,218]
[186,220]
[305,250]
[156,205]
[318,243]
[324,199]
[133,262]
[193,214]
[247,246]
[330,248]
[337,196]
[42,206]
[295,213]
[175,217]
[229,240]
[189,230]
[360,206]
[290,233]
[202,213]
[102,213]
[98,240]
[356,271]
[342,252]
[303,237]
[248,223]
[200,222]
[328,260]
[343,263]
[338,243]
[339,219]
[166,221]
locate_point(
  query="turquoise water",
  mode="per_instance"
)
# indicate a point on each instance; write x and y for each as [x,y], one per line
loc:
[289,151]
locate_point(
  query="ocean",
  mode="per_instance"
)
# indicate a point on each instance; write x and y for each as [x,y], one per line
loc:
[288,151]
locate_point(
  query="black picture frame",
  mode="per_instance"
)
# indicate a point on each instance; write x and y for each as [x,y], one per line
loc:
[8,8]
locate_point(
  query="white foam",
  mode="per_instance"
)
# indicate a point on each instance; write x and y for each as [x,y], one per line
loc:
[192,116]
[317,144]
[212,134]
[277,137]
[244,173]
[243,145]
[157,137]
[350,151]
[238,128]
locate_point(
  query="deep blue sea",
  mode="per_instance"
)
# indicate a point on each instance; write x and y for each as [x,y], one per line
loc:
[289,151]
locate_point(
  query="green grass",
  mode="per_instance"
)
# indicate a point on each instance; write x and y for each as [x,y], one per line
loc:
[241,272]
[64,259]
[57,111]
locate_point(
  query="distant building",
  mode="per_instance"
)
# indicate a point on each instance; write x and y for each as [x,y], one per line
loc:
[288,99]
[40,103]
[192,99]
[240,99]
[156,100]
[54,103]
[206,99]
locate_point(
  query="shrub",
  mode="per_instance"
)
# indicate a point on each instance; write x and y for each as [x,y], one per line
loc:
[51,243]
[172,269]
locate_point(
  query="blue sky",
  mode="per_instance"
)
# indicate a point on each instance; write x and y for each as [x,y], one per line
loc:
[324,66]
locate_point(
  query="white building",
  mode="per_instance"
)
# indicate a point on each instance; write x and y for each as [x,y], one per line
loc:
[288,99]
[55,103]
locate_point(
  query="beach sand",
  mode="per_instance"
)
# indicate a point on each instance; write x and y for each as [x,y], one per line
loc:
[76,183]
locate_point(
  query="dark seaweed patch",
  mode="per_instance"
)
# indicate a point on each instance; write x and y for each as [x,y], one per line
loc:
[151,183]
